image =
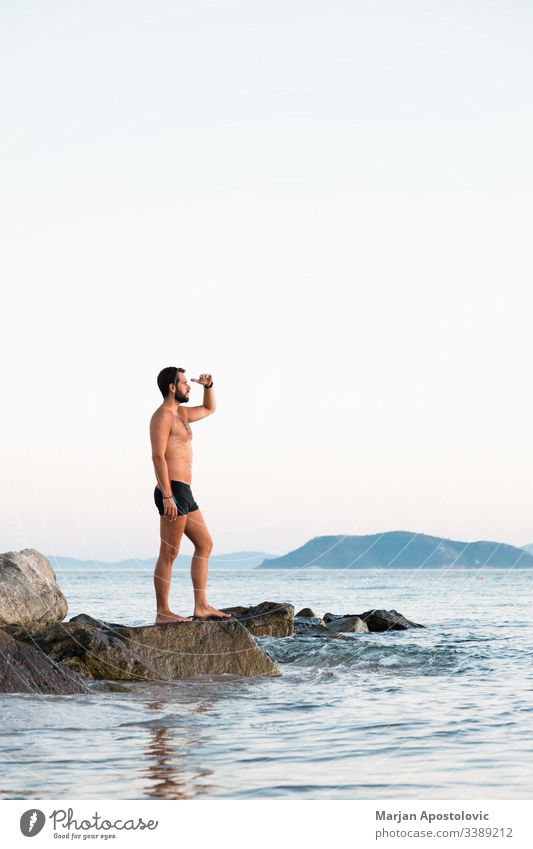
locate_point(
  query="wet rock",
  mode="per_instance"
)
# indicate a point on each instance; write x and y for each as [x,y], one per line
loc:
[307,625]
[376,620]
[306,612]
[387,620]
[268,619]
[347,624]
[314,627]
[304,621]
[96,649]
[24,669]
[29,594]
[329,617]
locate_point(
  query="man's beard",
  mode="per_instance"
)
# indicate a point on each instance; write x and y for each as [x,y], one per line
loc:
[180,397]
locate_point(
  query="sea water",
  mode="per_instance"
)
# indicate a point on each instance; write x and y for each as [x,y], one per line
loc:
[440,712]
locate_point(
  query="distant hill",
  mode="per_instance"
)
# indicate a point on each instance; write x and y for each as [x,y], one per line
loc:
[400,550]
[234,560]
[528,547]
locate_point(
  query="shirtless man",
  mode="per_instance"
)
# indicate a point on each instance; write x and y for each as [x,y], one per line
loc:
[171,436]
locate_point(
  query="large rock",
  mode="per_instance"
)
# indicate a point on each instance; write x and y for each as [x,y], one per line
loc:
[24,669]
[29,593]
[102,650]
[268,619]
[376,620]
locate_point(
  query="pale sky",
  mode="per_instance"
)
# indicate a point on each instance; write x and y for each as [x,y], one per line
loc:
[327,206]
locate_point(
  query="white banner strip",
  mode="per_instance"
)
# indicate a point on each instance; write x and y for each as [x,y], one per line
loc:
[268,823]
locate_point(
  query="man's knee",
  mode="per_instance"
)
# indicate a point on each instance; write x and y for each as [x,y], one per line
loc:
[204,548]
[169,548]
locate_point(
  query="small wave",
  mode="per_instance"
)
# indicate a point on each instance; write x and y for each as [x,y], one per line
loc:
[364,656]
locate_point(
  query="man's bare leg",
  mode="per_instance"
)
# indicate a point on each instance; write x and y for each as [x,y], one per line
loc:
[171,534]
[196,530]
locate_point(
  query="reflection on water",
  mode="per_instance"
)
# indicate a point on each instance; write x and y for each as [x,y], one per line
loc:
[167,771]
[443,712]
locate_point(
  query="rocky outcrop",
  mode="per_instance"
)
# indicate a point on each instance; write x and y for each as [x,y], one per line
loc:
[268,619]
[336,624]
[29,592]
[41,653]
[376,620]
[24,669]
[96,649]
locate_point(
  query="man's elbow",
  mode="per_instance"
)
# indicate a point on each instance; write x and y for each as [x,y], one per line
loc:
[209,410]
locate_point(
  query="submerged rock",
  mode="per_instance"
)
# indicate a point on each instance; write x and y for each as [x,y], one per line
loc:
[96,649]
[268,619]
[108,686]
[376,620]
[24,669]
[30,594]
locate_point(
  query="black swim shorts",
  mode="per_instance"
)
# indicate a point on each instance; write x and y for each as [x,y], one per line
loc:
[182,496]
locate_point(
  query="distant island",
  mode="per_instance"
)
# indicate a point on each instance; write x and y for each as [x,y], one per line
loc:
[234,560]
[400,550]
[389,550]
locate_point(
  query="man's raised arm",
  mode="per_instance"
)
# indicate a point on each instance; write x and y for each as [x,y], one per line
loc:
[209,406]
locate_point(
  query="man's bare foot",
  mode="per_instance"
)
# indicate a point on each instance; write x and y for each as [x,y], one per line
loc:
[209,612]
[163,618]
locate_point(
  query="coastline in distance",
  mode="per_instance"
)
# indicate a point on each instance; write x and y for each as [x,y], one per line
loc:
[388,550]
[400,550]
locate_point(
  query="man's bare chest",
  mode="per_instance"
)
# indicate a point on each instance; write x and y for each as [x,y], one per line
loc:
[180,430]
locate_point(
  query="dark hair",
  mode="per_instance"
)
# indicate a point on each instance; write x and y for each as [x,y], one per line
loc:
[167,376]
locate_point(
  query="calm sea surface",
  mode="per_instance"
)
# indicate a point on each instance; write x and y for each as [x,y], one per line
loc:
[444,712]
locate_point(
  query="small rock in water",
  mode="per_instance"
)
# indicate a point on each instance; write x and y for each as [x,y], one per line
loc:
[306,612]
[308,626]
[346,624]
[315,627]
[375,620]
[387,620]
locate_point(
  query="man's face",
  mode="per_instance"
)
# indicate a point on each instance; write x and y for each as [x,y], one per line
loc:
[181,394]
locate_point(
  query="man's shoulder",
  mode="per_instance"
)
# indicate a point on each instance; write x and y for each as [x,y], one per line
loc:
[162,412]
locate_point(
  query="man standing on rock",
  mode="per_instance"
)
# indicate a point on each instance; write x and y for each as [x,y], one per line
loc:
[171,437]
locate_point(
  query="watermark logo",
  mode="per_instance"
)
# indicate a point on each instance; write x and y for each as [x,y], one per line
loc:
[31,822]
